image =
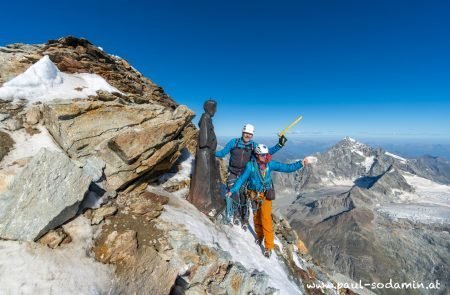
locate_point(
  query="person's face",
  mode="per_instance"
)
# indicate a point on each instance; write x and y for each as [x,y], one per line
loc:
[261,157]
[246,136]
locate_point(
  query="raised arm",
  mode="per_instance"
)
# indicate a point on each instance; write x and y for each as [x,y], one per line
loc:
[222,153]
[281,142]
[275,149]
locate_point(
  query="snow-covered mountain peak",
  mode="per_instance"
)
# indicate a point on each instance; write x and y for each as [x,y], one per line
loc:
[349,147]
[349,139]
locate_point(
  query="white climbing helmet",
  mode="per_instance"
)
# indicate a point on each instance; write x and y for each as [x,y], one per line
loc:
[261,149]
[248,128]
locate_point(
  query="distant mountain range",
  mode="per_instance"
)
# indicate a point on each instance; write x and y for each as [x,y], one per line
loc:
[373,215]
[300,147]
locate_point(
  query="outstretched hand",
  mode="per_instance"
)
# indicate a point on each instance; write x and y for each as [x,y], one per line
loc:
[228,194]
[305,162]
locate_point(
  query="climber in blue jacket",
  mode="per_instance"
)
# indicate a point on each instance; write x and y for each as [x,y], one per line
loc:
[260,191]
[240,150]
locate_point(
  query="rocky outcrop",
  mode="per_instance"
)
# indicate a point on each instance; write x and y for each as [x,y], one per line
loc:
[211,270]
[138,130]
[130,139]
[43,196]
[78,55]
[54,238]
[6,143]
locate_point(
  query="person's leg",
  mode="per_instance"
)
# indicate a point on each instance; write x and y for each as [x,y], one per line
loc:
[266,222]
[244,207]
[233,201]
[258,225]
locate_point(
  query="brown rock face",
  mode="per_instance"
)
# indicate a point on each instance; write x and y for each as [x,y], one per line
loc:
[130,139]
[118,247]
[53,238]
[149,274]
[6,143]
[33,115]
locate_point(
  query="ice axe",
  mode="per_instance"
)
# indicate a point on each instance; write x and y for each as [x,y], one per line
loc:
[290,126]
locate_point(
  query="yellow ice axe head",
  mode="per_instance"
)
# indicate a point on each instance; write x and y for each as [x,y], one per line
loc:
[290,126]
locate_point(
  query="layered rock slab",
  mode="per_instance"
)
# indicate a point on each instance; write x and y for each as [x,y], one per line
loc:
[44,195]
[131,139]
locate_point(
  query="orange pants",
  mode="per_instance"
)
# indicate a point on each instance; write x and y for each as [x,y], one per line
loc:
[263,223]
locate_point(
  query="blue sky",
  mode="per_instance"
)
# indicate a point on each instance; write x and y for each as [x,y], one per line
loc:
[367,69]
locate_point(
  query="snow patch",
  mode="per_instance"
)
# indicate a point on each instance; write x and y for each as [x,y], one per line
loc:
[184,172]
[44,82]
[234,240]
[368,162]
[27,145]
[312,160]
[31,268]
[298,263]
[331,180]
[429,191]
[277,242]
[358,152]
[402,160]
[430,203]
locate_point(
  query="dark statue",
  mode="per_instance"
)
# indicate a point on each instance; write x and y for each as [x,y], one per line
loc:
[205,180]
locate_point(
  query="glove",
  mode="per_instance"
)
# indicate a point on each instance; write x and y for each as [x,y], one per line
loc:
[282,140]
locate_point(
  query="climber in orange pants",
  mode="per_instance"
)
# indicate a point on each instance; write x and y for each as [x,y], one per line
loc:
[261,192]
[262,218]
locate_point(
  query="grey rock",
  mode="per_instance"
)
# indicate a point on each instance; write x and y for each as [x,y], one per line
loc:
[433,168]
[43,196]
[4,116]
[102,213]
[94,167]
[13,124]
[33,115]
[215,272]
[239,281]
[111,194]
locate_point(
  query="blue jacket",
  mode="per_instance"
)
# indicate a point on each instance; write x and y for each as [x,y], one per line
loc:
[255,180]
[230,145]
